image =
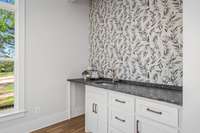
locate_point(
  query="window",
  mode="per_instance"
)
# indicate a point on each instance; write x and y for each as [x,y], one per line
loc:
[8,1]
[11,56]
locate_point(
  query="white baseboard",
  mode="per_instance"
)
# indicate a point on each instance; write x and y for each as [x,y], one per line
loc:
[50,120]
[31,125]
[77,112]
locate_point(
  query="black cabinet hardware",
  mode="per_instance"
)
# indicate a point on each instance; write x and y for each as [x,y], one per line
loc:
[117,100]
[137,126]
[95,109]
[117,118]
[153,111]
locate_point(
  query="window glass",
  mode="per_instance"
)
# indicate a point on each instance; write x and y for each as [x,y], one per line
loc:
[7,54]
[8,1]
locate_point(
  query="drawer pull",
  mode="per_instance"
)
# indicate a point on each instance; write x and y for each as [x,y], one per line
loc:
[153,111]
[117,118]
[137,126]
[117,100]
[95,109]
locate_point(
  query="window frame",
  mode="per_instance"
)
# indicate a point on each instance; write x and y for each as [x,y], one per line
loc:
[19,109]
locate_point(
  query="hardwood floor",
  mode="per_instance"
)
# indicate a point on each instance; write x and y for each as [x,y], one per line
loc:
[75,125]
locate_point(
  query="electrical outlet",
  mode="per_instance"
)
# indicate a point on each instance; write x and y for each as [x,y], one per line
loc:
[35,110]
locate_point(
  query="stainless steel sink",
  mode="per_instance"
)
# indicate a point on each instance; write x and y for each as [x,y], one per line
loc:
[103,82]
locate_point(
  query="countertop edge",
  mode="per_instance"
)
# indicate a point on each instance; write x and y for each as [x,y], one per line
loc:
[154,85]
[178,103]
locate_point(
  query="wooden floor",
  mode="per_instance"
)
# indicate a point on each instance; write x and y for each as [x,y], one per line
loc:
[75,125]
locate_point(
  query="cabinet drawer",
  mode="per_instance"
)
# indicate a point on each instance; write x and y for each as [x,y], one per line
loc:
[157,112]
[122,102]
[121,121]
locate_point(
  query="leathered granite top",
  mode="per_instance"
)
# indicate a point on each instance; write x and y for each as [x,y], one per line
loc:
[165,93]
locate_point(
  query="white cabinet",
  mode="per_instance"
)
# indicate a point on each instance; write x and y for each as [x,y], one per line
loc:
[96,110]
[114,112]
[147,126]
[121,113]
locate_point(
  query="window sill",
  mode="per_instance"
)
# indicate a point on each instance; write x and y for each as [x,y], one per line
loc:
[12,115]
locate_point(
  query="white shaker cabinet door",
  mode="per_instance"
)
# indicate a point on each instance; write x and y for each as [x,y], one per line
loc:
[90,116]
[147,126]
[96,110]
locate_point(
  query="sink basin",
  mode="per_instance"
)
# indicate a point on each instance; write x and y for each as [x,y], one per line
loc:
[106,83]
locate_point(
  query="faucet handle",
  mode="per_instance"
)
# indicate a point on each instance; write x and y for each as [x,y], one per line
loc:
[114,75]
[111,70]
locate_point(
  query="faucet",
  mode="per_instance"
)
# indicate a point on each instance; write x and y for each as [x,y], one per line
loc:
[114,75]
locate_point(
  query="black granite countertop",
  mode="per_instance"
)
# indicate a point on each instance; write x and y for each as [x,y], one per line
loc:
[166,93]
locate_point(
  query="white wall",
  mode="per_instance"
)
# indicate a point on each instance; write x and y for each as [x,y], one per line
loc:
[57,48]
[191,95]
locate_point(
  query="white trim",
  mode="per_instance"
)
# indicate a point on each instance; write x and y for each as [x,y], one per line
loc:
[7,6]
[35,124]
[47,121]
[19,64]
[19,56]
[75,112]
[68,100]
[12,115]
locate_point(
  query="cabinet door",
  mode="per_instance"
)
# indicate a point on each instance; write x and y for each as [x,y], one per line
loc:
[101,112]
[96,110]
[91,122]
[148,126]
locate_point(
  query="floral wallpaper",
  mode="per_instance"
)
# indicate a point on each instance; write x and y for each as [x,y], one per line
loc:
[140,39]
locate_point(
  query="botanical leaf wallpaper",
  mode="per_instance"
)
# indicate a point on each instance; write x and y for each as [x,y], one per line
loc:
[140,39]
